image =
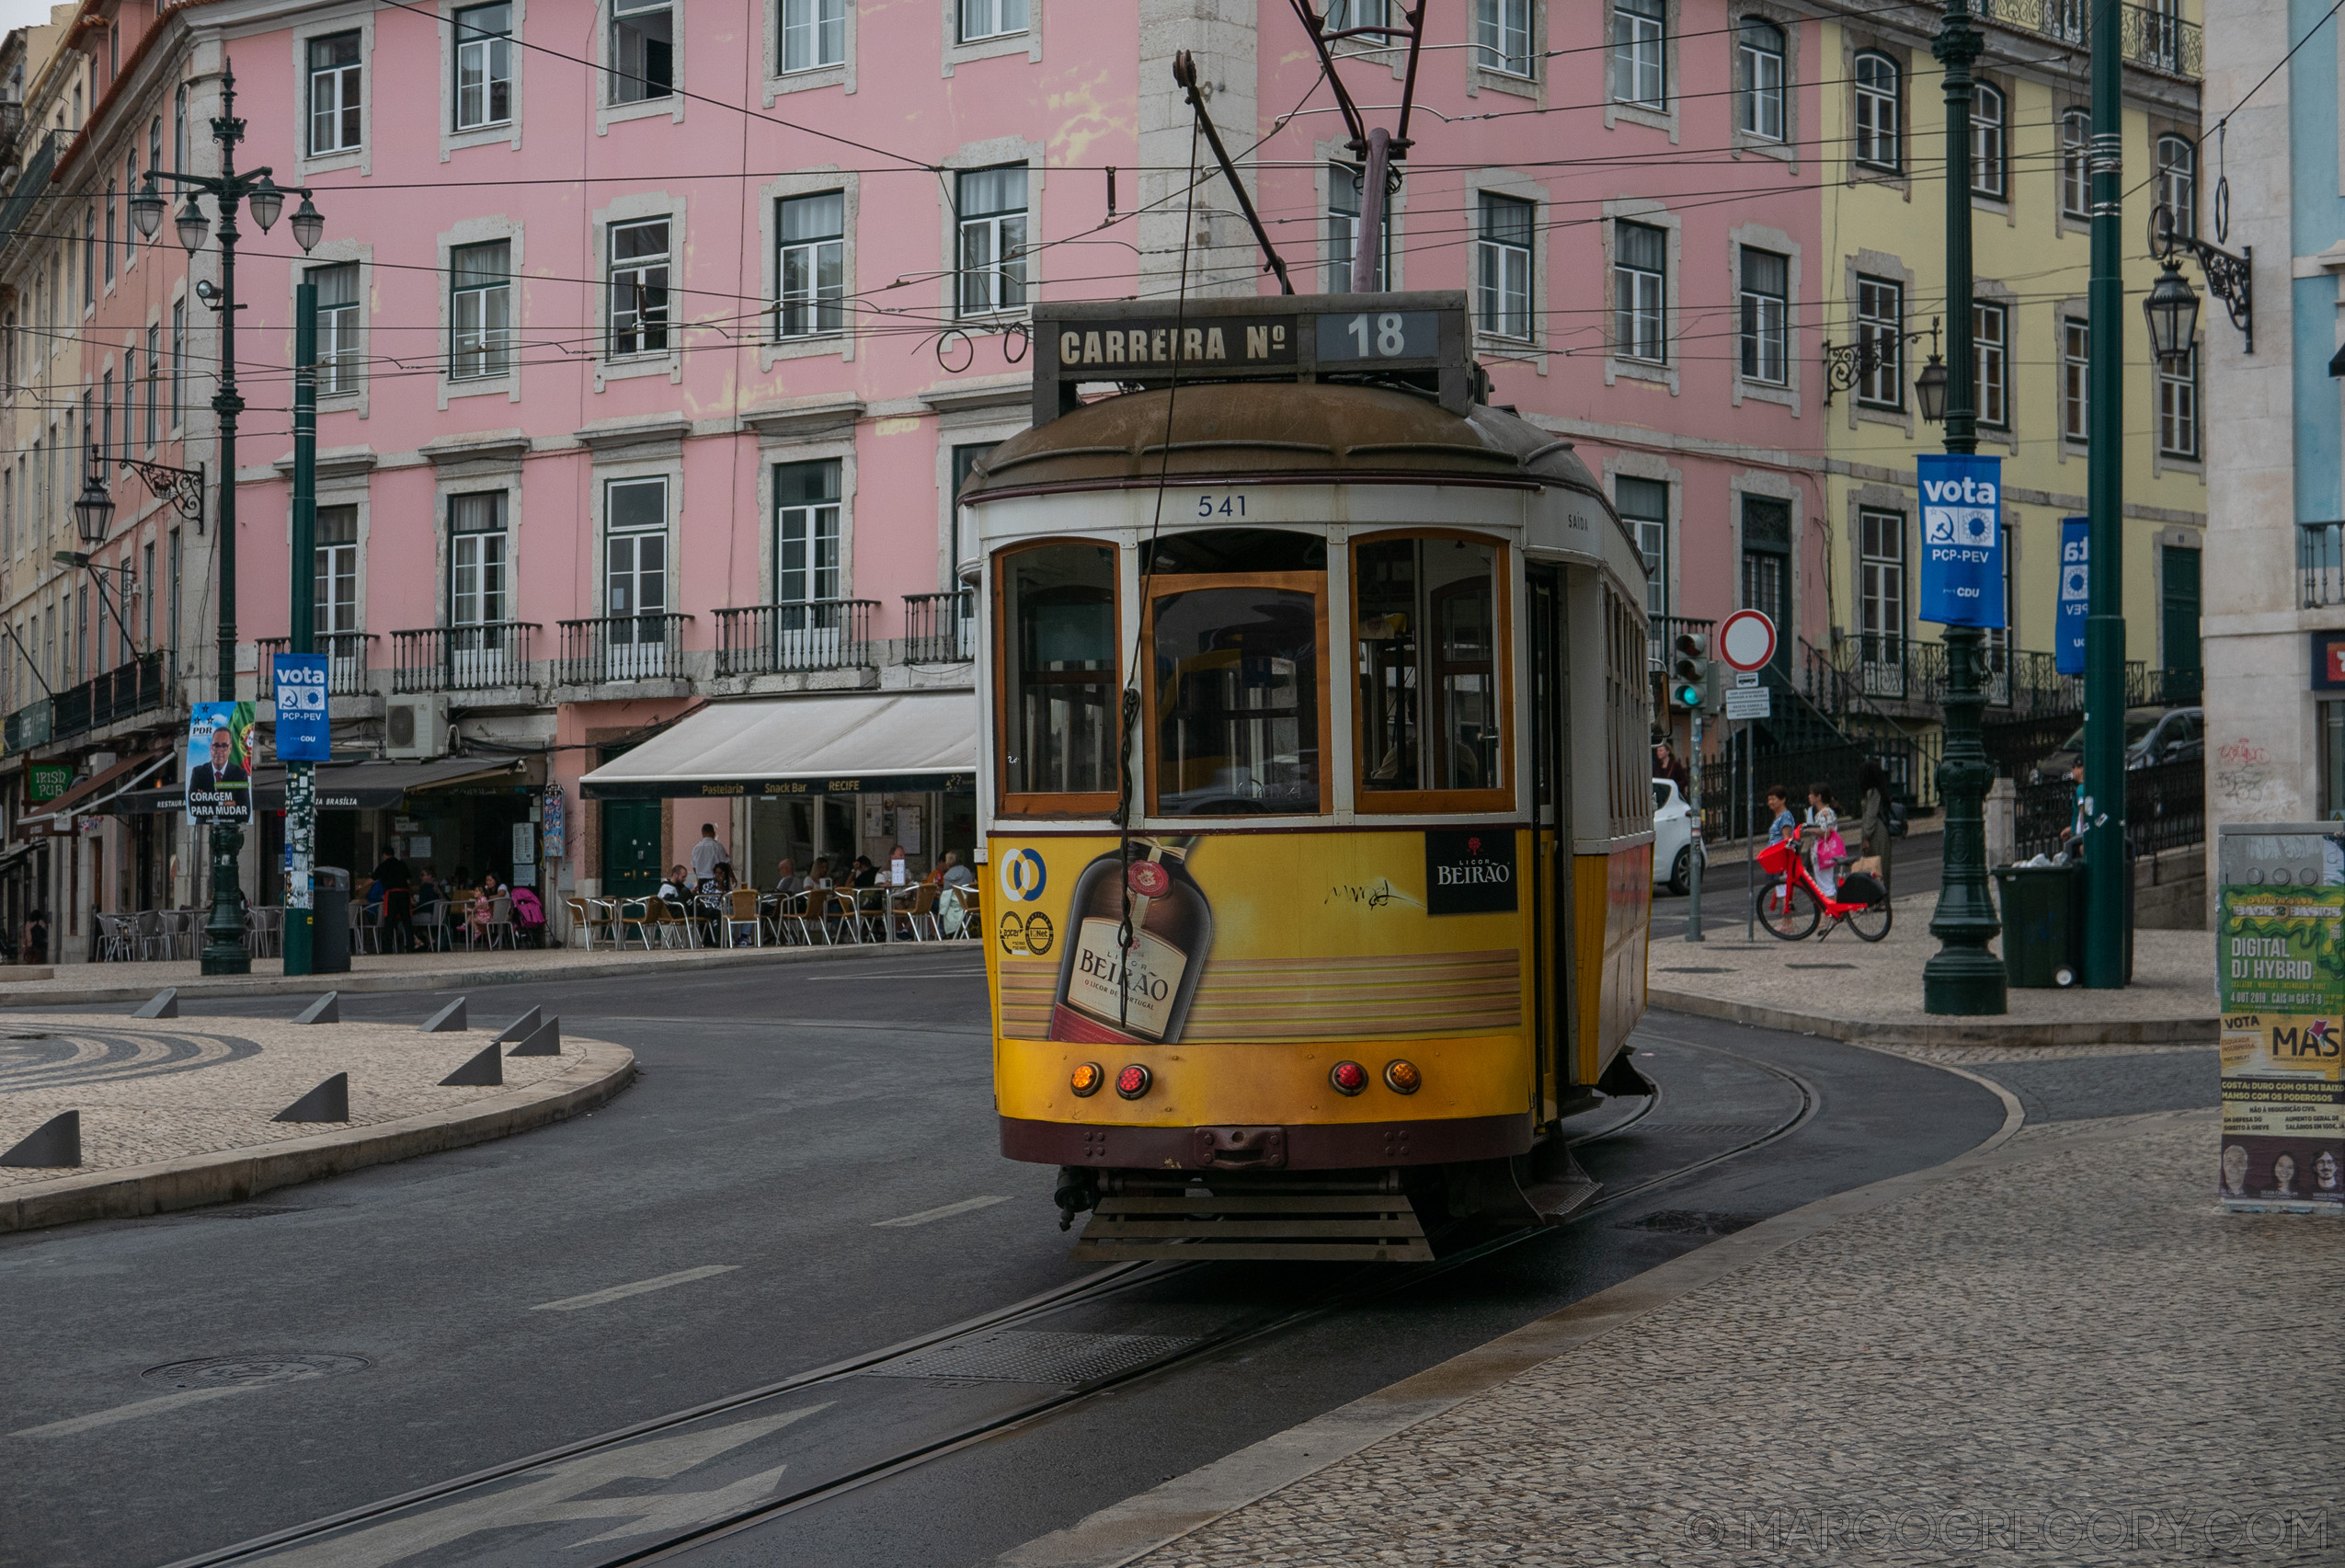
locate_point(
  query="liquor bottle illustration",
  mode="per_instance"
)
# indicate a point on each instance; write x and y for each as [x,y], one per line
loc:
[1109,994]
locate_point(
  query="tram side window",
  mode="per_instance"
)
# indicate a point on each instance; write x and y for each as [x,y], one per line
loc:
[1236,698]
[1431,705]
[1058,729]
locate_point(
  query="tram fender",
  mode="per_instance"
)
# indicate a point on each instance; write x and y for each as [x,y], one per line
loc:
[1622,1078]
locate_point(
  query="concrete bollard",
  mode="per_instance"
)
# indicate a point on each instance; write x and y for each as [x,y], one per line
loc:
[545,1040]
[521,1028]
[329,1102]
[484,1069]
[327,1009]
[165,1004]
[57,1141]
[449,1020]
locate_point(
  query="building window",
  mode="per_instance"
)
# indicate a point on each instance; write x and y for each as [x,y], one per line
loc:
[1766,316]
[89,260]
[811,270]
[806,532]
[639,288]
[153,152]
[1758,59]
[991,18]
[1991,365]
[2178,183]
[476,585]
[1881,342]
[814,34]
[171,605]
[1643,505]
[1502,35]
[338,326]
[179,129]
[1503,267]
[991,204]
[337,543]
[2178,409]
[643,50]
[179,363]
[1344,228]
[634,560]
[1878,110]
[1341,14]
[110,231]
[1881,599]
[106,416]
[481,311]
[1640,72]
[1640,292]
[2076,183]
[147,595]
[129,189]
[484,67]
[333,94]
[2075,379]
[1989,171]
[154,387]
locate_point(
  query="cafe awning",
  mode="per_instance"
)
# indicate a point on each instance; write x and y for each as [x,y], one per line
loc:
[349,786]
[850,743]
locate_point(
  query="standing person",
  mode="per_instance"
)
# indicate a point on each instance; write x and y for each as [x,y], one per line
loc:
[1778,803]
[397,881]
[1824,832]
[1872,824]
[36,942]
[1667,764]
[707,855]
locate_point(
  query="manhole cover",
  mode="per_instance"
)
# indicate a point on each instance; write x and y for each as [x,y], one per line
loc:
[243,1371]
[1690,1222]
[1008,1356]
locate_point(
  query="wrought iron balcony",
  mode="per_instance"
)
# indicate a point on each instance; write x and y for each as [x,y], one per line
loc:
[621,647]
[29,726]
[462,659]
[348,662]
[940,629]
[2320,564]
[139,686]
[2152,36]
[775,639]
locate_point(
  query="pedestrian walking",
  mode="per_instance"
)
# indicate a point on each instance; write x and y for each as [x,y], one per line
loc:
[1872,822]
[1824,832]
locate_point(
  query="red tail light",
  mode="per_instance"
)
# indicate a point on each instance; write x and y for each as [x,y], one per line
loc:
[1349,1077]
[1133,1081]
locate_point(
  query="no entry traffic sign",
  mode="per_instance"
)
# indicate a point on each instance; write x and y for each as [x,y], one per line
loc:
[1747,641]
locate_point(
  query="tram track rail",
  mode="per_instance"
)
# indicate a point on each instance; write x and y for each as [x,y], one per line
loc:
[1368,1283]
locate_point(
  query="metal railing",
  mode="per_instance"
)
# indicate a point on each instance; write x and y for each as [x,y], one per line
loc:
[940,629]
[2152,36]
[31,185]
[774,640]
[462,659]
[2320,564]
[621,647]
[2165,809]
[348,662]
[139,686]
[29,726]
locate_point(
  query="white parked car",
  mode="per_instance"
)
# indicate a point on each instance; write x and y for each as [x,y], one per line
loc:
[1676,839]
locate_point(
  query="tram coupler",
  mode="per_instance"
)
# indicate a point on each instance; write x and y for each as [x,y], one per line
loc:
[1077,1190]
[1622,1078]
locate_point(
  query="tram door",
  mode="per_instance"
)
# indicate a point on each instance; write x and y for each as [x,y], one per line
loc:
[1553,978]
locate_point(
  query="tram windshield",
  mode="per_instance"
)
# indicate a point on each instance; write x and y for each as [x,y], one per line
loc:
[1429,702]
[1059,600]
[1237,699]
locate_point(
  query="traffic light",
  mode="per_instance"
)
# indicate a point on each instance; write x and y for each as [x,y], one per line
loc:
[1689,671]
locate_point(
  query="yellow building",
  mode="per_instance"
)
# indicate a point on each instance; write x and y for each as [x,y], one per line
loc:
[1884,231]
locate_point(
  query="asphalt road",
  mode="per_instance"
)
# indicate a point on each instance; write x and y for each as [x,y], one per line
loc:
[782,1116]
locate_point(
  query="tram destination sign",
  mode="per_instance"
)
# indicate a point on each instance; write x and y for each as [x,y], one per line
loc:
[1419,336]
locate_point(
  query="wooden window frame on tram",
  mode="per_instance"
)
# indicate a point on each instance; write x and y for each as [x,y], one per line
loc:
[1368,802]
[1039,804]
[1312,583]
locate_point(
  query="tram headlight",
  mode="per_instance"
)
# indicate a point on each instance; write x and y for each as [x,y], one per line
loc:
[1133,1081]
[1349,1077]
[1087,1078]
[1403,1076]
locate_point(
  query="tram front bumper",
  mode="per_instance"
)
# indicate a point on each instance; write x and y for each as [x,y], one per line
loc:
[1344,1146]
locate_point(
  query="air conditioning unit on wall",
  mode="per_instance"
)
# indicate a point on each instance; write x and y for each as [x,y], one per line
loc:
[416,729]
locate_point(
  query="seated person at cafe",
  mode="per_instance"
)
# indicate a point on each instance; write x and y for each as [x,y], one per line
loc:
[429,899]
[821,875]
[786,880]
[952,872]
[677,884]
[866,873]
[485,900]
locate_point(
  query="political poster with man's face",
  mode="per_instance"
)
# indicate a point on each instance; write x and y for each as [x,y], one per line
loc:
[220,762]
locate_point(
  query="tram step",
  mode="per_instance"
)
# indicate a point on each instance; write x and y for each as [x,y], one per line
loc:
[1301,1227]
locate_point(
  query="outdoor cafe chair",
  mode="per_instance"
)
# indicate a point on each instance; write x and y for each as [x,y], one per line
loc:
[113,939]
[430,921]
[584,918]
[500,918]
[744,912]
[922,908]
[671,921]
[152,941]
[790,910]
[637,912]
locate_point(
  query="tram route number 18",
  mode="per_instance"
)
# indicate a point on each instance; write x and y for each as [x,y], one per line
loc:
[1378,334]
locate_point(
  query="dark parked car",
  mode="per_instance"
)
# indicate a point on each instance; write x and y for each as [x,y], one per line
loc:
[2152,736]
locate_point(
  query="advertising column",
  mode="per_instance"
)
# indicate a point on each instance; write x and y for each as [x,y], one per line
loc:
[2281,957]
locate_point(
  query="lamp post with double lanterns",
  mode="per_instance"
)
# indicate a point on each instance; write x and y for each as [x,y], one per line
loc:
[225,953]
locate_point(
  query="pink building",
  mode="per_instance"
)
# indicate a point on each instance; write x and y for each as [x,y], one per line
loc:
[658,334]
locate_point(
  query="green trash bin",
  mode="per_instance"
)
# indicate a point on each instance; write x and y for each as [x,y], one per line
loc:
[2041,904]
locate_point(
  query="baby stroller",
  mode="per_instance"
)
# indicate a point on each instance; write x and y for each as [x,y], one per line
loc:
[529,919]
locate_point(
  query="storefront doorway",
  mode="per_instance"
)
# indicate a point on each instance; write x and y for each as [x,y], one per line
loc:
[630,848]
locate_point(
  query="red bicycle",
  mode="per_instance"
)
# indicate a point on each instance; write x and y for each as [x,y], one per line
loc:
[1791,904]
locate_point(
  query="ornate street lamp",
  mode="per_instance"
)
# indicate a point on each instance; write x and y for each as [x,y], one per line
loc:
[2229,278]
[1929,391]
[2172,312]
[94,512]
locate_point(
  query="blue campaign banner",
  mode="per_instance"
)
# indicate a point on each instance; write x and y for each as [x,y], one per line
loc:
[1962,539]
[302,733]
[2076,596]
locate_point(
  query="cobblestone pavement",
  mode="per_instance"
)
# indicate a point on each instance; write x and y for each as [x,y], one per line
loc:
[166,1088]
[2064,1356]
[1881,983]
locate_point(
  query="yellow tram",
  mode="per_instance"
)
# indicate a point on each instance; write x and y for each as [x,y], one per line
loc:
[1288,959]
